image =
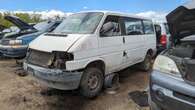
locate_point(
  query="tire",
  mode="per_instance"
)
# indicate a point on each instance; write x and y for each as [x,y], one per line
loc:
[147,63]
[92,82]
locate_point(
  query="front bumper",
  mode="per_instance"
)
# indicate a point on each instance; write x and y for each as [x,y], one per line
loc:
[13,52]
[171,92]
[54,78]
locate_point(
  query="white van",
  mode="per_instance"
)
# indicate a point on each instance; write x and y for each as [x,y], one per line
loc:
[89,46]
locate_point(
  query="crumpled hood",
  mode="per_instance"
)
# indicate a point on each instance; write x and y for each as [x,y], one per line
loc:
[49,43]
[19,23]
[181,21]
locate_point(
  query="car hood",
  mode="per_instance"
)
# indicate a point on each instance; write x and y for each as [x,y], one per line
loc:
[181,21]
[50,43]
[19,23]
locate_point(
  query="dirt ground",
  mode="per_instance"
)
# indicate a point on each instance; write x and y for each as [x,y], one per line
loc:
[23,93]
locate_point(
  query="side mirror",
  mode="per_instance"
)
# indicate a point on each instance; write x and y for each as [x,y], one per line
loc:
[107,27]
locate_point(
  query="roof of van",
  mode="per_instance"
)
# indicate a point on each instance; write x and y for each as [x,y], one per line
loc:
[117,13]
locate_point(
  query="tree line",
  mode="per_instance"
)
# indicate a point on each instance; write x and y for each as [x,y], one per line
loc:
[29,18]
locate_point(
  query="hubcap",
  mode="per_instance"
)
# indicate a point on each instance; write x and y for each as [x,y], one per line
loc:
[93,82]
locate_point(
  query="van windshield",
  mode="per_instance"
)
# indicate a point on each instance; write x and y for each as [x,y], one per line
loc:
[81,23]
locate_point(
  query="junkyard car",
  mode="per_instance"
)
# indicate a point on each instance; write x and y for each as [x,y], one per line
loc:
[87,47]
[172,83]
[2,28]
[15,44]
[163,36]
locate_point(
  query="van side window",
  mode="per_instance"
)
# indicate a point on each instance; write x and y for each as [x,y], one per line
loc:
[148,27]
[116,31]
[133,26]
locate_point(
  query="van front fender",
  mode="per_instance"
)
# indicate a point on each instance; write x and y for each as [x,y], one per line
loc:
[81,64]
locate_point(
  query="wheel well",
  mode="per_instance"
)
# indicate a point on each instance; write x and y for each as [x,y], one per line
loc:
[99,63]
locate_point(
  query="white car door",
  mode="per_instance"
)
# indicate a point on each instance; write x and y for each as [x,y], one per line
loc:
[134,40]
[111,45]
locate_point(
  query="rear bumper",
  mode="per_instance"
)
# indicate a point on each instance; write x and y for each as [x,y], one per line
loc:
[54,78]
[163,90]
[15,52]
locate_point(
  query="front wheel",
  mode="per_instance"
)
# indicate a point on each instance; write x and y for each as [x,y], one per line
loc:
[91,82]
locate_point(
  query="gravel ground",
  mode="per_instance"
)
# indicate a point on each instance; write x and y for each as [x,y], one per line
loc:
[23,93]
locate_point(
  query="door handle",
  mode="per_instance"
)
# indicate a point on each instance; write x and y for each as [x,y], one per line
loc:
[123,39]
[124,53]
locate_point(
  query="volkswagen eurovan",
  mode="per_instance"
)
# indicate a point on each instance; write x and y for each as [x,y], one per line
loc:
[87,47]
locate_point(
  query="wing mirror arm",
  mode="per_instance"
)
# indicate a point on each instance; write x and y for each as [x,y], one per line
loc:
[107,27]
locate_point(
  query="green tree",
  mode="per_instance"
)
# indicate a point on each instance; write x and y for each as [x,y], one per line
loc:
[29,18]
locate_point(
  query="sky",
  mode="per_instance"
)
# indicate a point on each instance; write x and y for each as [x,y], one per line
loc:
[131,6]
[153,9]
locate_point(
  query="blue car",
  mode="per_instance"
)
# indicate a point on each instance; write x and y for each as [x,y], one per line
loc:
[15,44]
[172,82]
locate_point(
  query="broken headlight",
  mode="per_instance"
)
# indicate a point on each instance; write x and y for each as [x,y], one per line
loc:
[60,58]
[166,65]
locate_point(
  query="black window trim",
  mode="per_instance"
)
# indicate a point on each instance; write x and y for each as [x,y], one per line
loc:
[120,24]
[123,28]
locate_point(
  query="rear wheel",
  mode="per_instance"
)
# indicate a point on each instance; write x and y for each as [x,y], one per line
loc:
[147,63]
[91,82]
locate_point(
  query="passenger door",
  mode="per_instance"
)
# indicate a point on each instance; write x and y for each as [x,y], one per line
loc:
[134,40]
[111,45]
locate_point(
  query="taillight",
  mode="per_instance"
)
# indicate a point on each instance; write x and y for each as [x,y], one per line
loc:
[163,40]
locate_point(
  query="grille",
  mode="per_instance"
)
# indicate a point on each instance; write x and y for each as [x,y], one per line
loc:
[184,97]
[39,58]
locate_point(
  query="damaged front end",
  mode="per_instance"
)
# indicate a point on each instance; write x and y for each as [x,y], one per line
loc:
[50,69]
[184,57]
[172,83]
[181,23]
[51,60]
